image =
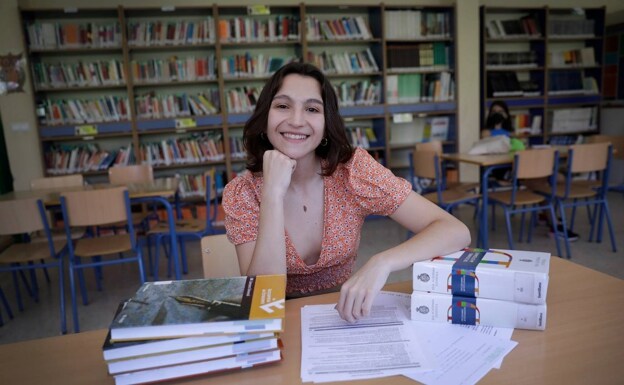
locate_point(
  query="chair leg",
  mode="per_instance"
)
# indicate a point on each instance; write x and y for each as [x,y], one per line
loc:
[508,223]
[607,214]
[74,304]
[45,273]
[98,271]
[18,293]
[81,282]
[6,307]
[565,230]
[61,278]
[553,219]
[35,285]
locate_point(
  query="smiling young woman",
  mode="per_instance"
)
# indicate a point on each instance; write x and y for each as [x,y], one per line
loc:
[299,156]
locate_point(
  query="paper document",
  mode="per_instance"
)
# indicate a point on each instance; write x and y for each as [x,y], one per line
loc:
[465,356]
[383,344]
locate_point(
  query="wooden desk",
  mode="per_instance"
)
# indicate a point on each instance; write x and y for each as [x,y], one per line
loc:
[582,343]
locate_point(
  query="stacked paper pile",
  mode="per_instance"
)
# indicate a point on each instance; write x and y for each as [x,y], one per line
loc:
[504,288]
[173,329]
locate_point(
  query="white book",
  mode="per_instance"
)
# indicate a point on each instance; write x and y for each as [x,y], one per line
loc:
[445,308]
[192,369]
[191,355]
[510,275]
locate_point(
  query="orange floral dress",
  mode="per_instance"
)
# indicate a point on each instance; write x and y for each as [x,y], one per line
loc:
[356,189]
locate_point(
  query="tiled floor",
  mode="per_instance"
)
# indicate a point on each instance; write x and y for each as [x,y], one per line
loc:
[42,319]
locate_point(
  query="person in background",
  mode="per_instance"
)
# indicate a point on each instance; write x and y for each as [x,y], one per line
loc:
[498,121]
[300,209]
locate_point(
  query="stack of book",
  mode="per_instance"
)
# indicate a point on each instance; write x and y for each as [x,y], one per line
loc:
[503,288]
[173,329]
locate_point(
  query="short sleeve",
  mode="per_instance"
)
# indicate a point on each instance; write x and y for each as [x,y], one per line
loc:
[375,188]
[242,210]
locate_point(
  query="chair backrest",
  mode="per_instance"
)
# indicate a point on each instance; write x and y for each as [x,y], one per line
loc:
[617,141]
[20,216]
[426,164]
[95,207]
[588,157]
[219,257]
[434,145]
[534,163]
[57,182]
[138,173]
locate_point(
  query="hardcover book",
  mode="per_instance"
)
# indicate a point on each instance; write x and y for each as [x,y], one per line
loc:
[242,361]
[169,309]
[510,275]
[434,307]
[189,356]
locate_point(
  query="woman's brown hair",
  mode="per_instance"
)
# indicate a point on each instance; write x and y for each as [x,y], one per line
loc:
[335,147]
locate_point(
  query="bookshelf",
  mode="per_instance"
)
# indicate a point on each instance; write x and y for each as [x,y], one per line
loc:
[546,64]
[173,86]
[420,77]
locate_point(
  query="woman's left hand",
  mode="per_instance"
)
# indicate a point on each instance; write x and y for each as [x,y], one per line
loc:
[358,293]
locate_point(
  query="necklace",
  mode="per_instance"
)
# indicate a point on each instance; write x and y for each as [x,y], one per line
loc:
[305,209]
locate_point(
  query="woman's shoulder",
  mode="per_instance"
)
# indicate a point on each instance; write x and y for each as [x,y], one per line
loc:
[245,181]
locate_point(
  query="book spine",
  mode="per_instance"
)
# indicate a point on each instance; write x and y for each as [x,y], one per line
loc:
[433,307]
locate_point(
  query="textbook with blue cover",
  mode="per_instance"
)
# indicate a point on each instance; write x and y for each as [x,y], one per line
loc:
[509,275]
[171,309]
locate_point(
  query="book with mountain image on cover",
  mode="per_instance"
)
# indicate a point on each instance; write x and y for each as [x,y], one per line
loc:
[242,361]
[510,275]
[170,309]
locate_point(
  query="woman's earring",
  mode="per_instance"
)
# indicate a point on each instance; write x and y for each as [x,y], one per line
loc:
[324,142]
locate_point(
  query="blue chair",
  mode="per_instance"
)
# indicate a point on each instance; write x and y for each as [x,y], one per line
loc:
[529,166]
[90,209]
[592,158]
[426,164]
[188,228]
[26,217]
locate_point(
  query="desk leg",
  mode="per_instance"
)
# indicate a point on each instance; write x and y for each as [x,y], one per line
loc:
[172,232]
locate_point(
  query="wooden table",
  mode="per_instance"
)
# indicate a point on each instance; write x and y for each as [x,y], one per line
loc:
[582,343]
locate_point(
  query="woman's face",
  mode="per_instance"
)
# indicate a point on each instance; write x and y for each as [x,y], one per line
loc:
[296,122]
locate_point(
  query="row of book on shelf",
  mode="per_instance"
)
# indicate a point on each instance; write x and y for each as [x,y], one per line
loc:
[503,288]
[163,33]
[526,26]
[153,106]
[106,108]
[173,68]
[524,59]
[62,159]
[48,35]
[426,24]
[420,56]
[194,185]
[362,136]
[362,92]
[173,329]
[360,62]
[78,74]
[190,150]
[414,88]
[571,120]
[345,28]
[248,29]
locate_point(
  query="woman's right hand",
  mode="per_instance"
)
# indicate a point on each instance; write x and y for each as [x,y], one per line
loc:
[277,170]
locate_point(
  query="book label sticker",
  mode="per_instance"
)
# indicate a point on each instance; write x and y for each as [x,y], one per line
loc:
[185,123]
[402,118]
[86,129]
[258,10]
